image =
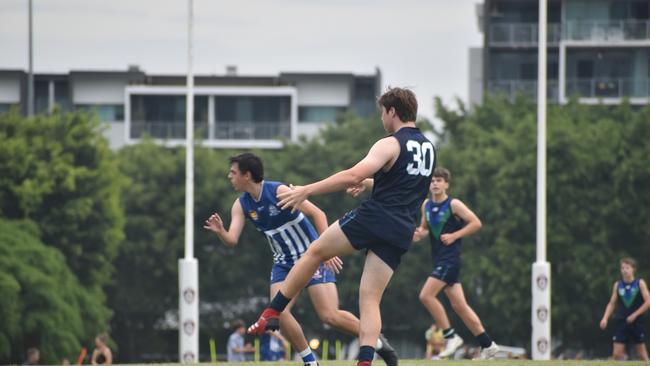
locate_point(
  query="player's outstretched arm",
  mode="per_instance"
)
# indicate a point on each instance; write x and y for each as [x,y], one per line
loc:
[422,230]
[611,305]
[229,237]
[473,223]
[381,154]
[646,302]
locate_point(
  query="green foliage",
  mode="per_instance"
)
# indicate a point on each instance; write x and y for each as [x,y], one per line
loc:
[597,204]
[43,304]
[58,171]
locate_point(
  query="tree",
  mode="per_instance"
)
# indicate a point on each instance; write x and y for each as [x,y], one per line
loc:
[43,304]
[595,174]
[58,171]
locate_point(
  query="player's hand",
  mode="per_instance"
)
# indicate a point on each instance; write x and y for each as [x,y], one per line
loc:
[418,234]
[334,264]
[448,239]
[214,223]
[355,191]
[603,324]
[292,198]
[630,319]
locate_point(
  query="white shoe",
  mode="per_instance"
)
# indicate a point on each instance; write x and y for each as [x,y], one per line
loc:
[451,345]
[490,352]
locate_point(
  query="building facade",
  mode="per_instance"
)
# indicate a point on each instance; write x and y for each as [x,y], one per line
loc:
[598,50]
[230,111]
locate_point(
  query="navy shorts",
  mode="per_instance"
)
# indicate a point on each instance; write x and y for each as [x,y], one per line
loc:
[624,332]
[323,274]
[446,272]
[362,238]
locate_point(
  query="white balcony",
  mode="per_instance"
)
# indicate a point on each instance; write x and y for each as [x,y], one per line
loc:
[513,87]
[522,34]
[608,32]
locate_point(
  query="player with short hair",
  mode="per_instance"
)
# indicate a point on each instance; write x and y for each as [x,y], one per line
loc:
[446,220]
[289,234]
[383,225]
[630,298]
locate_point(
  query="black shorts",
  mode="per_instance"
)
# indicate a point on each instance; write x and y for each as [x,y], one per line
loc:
[362,238]
[446,272]
[624,332]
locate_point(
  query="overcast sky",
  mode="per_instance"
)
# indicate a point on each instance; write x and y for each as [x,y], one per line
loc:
[420,44]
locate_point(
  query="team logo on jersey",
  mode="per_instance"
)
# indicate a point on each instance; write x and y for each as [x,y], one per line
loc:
[621,291]
[252,214]
[317,275]
[273,211]
[435,209]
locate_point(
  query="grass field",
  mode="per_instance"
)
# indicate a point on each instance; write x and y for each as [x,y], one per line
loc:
[434,363]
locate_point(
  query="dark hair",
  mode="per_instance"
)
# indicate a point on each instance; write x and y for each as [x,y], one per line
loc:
[442,173]
[630,261]
[404,102]
[249,162]
[236,324]
[102,337]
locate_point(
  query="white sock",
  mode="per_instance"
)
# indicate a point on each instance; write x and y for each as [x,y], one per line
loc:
[379,344]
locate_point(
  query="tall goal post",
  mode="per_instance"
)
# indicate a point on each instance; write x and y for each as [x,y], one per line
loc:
[541,269]
[188,267]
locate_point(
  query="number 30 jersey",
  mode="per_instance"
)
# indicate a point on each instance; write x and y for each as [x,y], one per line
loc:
[398,193]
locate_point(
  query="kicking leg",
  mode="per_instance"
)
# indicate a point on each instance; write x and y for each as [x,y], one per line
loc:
[429,298]
[330,244]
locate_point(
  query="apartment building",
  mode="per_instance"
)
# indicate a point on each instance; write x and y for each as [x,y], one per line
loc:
[230,111]
[598,50]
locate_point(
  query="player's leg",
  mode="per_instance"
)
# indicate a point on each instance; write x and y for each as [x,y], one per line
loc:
[429,298]
[292,331]
[459,304]
[330,244]
[375,278]
[325,298]
[618,352]
[641,351]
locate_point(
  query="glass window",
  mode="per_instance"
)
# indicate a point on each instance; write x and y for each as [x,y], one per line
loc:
[166,108]
[41,96]
[62,96]
[252,109]
[106,112]
[319,113]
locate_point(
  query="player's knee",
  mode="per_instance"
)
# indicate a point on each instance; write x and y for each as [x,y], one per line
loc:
[328,317]
[424,297]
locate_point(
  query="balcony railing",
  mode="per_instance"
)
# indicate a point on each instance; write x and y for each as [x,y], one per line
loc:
[511,88]
[607,30]
[220,130]
[522,34]
[609,88]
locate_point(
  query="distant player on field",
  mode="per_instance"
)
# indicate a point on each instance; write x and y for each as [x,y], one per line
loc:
[382,226]
[289,234]
[446,220]
[630,299]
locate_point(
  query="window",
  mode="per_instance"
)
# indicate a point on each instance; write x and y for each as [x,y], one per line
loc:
[252,109]
[106,112]
[319,113]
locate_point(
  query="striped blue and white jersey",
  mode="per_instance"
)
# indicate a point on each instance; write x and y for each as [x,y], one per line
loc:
[289,234]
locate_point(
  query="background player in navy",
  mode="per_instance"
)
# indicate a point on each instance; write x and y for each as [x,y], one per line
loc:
[383,225]
[447,220]
[630,299]
[289,234]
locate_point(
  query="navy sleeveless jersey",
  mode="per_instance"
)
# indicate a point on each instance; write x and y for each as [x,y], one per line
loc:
[629,299]
[394,205]
[289,234]
[441,220]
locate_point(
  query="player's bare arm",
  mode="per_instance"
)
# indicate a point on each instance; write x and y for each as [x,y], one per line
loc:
[646,302]
[229,237]
[611,305]
[366,185]
[381,156]
[473,223]
[423,230]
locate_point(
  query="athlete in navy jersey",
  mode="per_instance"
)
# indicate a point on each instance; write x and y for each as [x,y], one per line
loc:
[630,299]
[446,220]
[402,164]
[289,234]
